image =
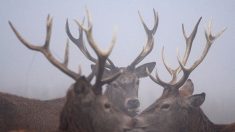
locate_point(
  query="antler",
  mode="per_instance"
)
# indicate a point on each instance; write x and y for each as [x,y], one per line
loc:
[150,40]
[189,42]
[102,55]
[46,51]
[80,43]
[186,71]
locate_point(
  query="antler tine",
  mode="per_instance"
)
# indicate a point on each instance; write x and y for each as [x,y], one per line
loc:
[66,55]
[189,42]
[170,70]
[186,71]
[210,38]
[209,41]
[150,40]
[48,33]
[154,29]
[102,55]
[157,79]
[80,42]
[46,51]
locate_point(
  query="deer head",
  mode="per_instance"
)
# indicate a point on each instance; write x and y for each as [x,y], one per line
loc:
[123,92]
[86,108]
[178,110]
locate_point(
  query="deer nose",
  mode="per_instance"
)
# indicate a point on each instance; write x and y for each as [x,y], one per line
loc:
[133,103]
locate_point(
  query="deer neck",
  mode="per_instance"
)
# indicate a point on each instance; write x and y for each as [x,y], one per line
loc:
[199,122]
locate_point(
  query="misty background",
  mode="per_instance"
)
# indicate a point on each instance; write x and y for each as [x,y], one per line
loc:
[29,74]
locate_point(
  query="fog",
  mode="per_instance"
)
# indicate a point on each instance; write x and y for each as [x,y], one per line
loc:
[28,73]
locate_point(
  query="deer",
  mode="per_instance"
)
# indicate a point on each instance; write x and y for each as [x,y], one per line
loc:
[53,106]
[123,92]
[84,101]
[178,109]
[87,109]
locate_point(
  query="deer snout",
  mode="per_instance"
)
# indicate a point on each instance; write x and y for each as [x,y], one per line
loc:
[133,103]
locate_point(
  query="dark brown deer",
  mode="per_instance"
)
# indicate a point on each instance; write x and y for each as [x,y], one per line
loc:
[86,108]
[123,92]
[84,101]
[178,110]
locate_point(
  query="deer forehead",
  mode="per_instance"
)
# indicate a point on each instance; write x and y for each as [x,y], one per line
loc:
[172,101]
[127,77]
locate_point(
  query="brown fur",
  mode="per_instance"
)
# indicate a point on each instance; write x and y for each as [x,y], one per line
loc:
[173,112]
[23,113]
[85,111]
[228,128]
[40,115]
[123,92]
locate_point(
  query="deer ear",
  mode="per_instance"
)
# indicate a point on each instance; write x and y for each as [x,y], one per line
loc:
[187,89]
[197,100]
[141,70]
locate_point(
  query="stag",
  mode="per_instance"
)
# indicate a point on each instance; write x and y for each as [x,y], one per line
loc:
[46,113]
[178,110]
[85,109]
[123,92]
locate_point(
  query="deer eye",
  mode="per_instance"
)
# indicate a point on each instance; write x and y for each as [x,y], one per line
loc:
[107,106]
[165,106]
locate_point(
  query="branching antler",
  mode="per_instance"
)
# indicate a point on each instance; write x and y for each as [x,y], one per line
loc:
[80,43]
[150,40]
[186,71]
[102,55]
[46,51]
[189,42]
[146,50]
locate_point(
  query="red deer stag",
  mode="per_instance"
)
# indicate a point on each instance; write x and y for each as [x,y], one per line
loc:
[39,112]
[123,92]
[85,110]
[177,110]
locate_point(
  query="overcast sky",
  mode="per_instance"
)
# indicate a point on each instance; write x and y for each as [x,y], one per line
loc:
[29,74]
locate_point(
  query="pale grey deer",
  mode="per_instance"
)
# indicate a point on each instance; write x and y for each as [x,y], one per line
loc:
[123,92]
[178,110]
